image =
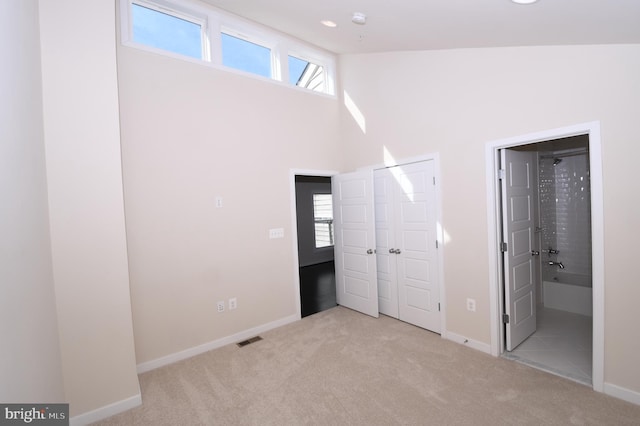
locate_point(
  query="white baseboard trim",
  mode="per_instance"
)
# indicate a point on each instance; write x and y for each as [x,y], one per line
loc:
[474,344]
[622,393]
[106,411]
[197,350]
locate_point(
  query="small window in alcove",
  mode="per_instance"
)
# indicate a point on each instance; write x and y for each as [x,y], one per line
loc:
[323,220]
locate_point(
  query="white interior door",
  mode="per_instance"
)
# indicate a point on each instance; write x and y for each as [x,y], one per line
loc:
[354,229]
[385,243]
[518,200]
[405,202]
[416,245]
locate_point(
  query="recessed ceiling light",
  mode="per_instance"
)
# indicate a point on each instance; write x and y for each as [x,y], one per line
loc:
[328,23]
[524,1]
[359,18]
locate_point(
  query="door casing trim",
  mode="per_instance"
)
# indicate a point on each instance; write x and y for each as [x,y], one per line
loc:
[597,235]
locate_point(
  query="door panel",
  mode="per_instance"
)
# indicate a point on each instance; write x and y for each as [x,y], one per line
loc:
[384,291]
[419,292]
[387,271]
[354,229]
[354,238]
[522,276]
[353,188]
[415,241]
[408,288]
[356,287]
[519,195]
[354,214]
[418,298]
[414,212]
[417,271]
[521,241]
[356,263]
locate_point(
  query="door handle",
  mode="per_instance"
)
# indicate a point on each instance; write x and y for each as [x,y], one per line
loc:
[535,253]
[369,251]
[392,250]
[397,251]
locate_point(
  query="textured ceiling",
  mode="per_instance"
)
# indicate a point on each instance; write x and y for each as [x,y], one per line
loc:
[445,24]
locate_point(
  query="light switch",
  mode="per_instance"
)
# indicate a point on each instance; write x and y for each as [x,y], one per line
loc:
[276,233]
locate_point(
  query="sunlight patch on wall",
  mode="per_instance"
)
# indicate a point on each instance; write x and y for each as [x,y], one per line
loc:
[389,161]
[446,238]
[396,172]
[355,112]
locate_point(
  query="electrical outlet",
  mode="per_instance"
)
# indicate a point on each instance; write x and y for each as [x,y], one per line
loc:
[471,305]
[233,303]
[221,306]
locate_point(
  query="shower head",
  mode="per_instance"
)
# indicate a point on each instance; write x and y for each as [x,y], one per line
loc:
[556,161]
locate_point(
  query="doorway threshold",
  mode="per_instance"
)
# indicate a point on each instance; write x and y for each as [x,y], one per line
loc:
[556,372]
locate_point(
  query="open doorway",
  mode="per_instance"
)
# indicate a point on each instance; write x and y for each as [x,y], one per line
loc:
[314,221]
[554,311]
[554,255]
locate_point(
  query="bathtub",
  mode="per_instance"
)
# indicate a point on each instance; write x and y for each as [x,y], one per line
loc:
[568,292]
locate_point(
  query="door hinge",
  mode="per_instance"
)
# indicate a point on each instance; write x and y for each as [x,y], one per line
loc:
[438,306]
[503,247]
[436,243]
[505,318]
[501,174]
[434,180]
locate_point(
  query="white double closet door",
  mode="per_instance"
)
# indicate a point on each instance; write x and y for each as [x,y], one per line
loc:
[386,242]
[406,244]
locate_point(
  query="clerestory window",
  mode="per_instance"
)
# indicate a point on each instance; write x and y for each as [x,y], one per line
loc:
[167,30]
[309,75]
[245,55]
[191,30]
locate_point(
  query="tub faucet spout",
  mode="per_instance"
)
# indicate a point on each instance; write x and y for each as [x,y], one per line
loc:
[558,264]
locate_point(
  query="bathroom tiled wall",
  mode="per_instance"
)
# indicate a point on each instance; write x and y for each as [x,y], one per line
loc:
[565,213]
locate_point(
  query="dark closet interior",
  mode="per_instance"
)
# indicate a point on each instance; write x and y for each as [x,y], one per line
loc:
[315,244]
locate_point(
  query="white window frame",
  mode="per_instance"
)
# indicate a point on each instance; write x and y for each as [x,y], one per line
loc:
[213,22]
[255,38]
[327,66]
[329,222]
[170,9]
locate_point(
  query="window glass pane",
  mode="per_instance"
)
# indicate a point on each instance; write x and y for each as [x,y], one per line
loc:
[167,32]
[296,68]
[246,56]
[323,219]
[306,74]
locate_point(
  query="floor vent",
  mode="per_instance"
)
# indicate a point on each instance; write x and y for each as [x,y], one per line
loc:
[249,341]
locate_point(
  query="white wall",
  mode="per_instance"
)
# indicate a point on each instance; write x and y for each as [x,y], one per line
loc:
[30,365]
[454,102]
[82,141]
[191,133]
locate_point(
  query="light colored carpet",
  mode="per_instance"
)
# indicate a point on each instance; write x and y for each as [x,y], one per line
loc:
[340,367]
